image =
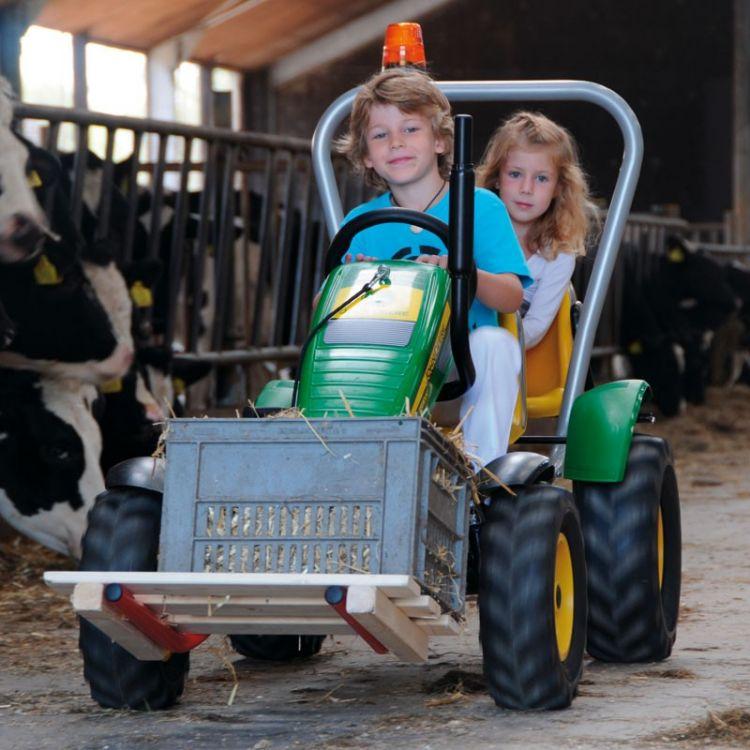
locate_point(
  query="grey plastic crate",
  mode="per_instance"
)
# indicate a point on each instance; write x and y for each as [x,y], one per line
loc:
[325,496]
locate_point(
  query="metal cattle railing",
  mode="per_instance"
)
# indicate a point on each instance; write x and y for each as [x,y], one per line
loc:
[250,239]
[243,249]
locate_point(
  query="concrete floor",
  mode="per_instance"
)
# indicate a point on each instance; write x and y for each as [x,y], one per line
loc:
[350,698]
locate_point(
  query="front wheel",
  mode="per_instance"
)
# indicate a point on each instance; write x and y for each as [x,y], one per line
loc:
[532,599]
[277,647]
[633,553]
[123,535]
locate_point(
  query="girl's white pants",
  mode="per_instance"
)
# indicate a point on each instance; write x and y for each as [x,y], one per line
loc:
[492,398]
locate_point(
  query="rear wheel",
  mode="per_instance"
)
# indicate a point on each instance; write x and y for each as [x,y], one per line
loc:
[123,535]
[532,599]
[277,647]
[633,554]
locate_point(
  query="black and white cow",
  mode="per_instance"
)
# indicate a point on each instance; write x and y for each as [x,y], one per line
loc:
[150,278]
[49,457]
[22,222]
[71,316]
[65,344]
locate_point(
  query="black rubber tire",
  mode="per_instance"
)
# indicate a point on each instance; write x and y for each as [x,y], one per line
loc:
[632,618]
[123,534]
[519,540]
[277,647]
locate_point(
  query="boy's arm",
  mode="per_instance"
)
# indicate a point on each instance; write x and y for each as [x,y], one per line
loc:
[499,291]
[502,271]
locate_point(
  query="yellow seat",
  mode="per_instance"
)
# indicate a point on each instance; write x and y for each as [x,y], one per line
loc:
[545,368]
[547,365]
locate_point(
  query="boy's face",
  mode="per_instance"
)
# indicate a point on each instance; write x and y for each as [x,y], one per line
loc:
[402,147]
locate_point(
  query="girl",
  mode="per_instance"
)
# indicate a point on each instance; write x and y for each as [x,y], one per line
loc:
[533,164]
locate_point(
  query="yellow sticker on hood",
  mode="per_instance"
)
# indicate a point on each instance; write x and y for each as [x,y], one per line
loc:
[387,302]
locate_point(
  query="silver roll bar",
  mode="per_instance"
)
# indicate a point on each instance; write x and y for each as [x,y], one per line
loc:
[622,197]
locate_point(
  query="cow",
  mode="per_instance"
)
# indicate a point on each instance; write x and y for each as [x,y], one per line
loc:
[49,457]
[22,224]
[669,319]
[66,343]
[22,221]
[54,298]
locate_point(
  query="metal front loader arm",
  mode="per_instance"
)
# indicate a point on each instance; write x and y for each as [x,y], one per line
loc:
[622,198]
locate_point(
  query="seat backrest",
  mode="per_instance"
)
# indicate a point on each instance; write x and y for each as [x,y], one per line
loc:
[545,367]
[547,362]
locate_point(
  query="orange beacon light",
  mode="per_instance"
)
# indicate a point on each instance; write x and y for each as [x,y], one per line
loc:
[403,46]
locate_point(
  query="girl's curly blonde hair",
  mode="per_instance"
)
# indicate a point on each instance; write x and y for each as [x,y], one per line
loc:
[572,218]
[412,92]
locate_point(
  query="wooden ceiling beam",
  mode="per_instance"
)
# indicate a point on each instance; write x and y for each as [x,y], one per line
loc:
[242,34]
[350,37]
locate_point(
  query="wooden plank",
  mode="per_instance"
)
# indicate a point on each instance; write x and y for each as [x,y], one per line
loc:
[237,606]
[262,625]
[419,606]
[445,625]
[268,606]
[376,612]
[223,584]
[88,601]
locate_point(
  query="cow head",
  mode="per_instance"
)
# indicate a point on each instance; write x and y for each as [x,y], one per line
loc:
[22,221]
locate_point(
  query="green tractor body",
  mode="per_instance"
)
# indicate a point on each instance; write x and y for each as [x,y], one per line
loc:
[385,354]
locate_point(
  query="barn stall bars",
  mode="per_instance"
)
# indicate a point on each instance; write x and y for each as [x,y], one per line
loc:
[233,241]
[243,254]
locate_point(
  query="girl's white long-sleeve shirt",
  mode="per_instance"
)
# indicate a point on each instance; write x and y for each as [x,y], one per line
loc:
[541,300]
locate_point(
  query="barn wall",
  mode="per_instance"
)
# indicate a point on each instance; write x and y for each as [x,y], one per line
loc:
[671,61]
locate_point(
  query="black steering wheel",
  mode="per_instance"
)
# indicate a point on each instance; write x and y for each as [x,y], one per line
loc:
[340,243]
[462,293]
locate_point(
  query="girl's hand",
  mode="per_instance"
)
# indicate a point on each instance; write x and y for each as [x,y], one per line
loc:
[435,260]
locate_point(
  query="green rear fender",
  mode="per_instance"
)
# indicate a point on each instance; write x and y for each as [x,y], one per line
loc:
[600,431]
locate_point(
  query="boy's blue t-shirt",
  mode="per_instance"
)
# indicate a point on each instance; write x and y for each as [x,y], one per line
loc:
[496,248]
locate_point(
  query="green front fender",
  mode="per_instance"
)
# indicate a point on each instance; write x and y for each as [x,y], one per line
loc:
[600,431]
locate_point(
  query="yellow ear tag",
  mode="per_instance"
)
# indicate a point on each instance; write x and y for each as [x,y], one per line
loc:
[635,347]
[676,255]
[111,386]
[45,273]
[34,179]
[179,386]
[141,295]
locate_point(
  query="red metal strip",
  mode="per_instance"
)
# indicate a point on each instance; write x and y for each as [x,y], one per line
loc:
[122,601]
[336,597]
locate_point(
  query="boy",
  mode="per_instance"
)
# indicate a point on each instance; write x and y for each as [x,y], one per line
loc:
[401,136]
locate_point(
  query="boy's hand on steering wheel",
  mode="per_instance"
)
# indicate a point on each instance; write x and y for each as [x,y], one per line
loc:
[358,258]
[435,260]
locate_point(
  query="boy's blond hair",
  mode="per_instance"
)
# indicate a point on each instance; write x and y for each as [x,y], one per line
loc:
[572,216]
[412,92]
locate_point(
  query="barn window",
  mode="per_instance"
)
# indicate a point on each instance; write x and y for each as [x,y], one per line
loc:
[116,84]
[187,109]
[187,93]
[47,78]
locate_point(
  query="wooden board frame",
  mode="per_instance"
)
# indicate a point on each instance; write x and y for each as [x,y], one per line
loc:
[390,607]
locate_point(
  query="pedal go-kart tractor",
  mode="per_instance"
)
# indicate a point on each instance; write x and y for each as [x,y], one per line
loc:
[354,517]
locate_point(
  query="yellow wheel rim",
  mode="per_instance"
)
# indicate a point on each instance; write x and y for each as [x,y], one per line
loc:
[660,547]
[563,597]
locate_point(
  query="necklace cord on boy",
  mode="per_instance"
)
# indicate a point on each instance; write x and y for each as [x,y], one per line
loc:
[414,229]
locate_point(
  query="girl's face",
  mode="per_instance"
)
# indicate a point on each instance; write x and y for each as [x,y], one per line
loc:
[401,147]
[528,183]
